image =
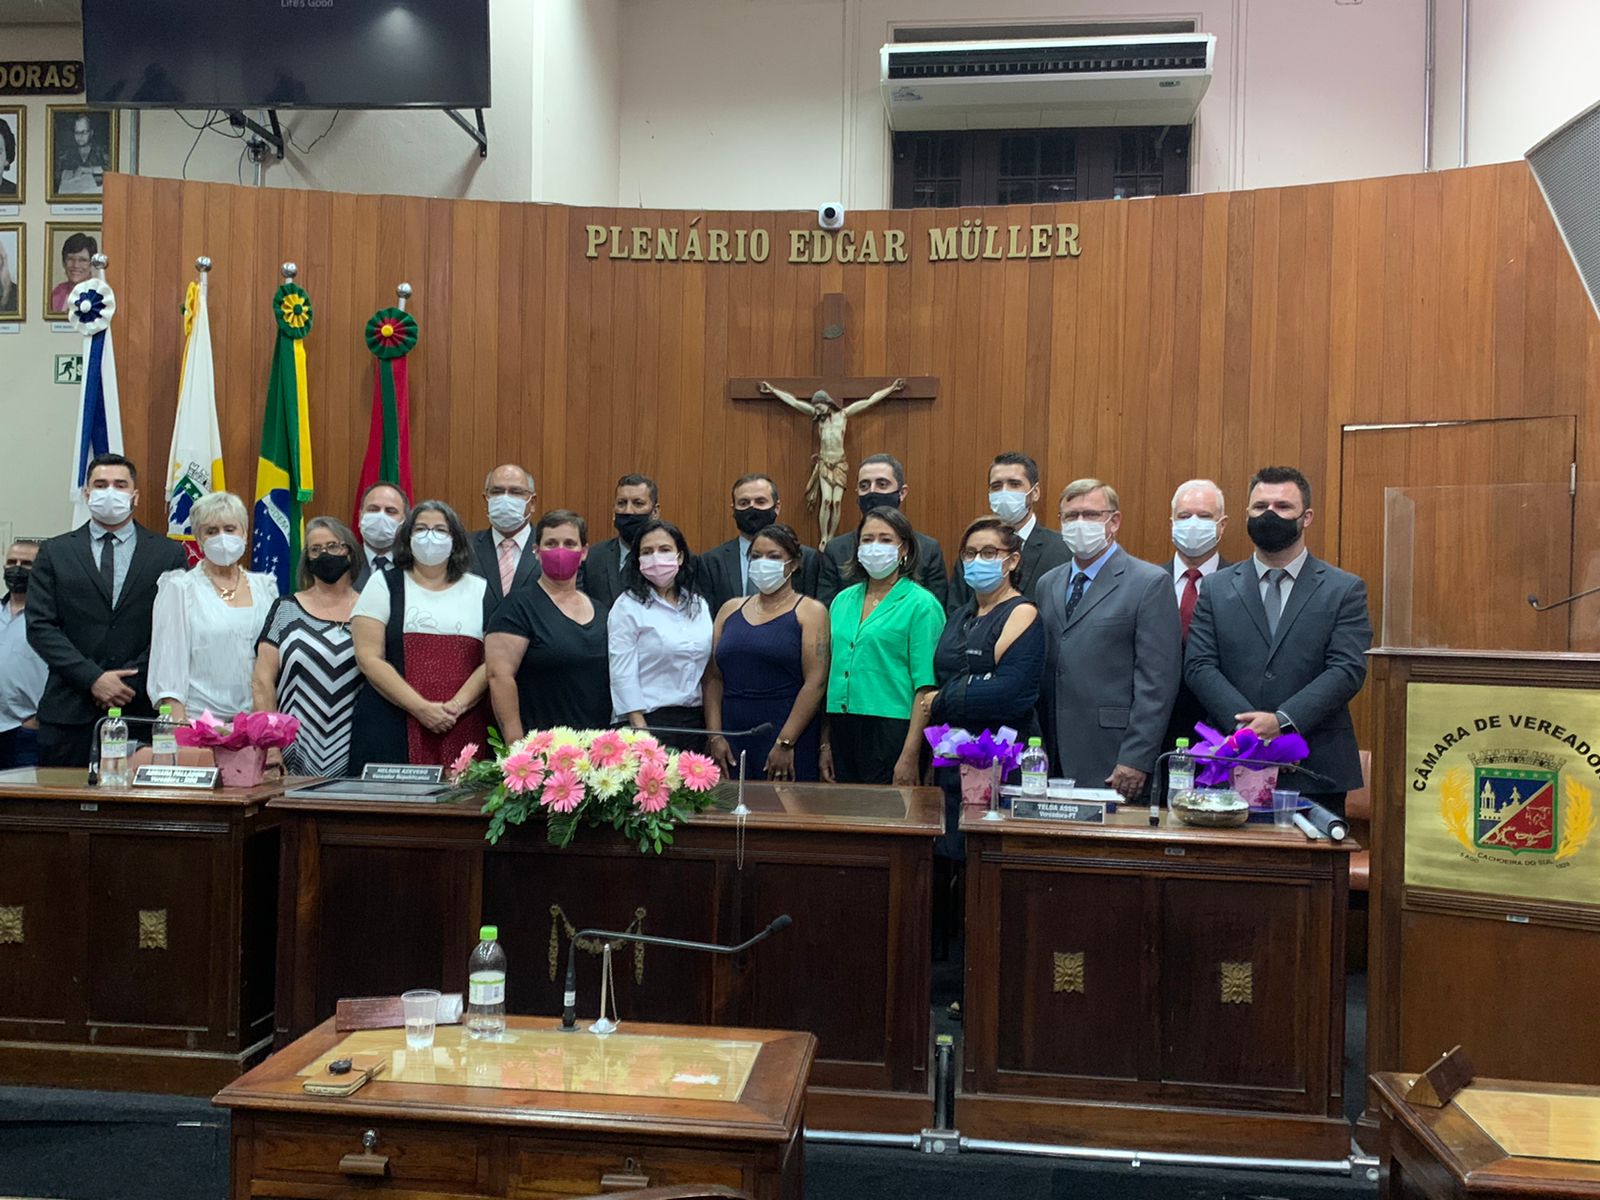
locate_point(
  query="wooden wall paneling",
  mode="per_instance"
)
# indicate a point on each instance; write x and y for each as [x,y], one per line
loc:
[1236,457]
[1034,429]
[1066,318]
[1395,301]
[1210,323]
[1317,452]
[1510,299]
[1127,468]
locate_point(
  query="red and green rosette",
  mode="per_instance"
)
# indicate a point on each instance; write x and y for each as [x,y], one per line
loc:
[391,334]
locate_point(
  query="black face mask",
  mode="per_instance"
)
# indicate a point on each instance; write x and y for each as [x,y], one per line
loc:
[17,578]
[329,568]
[871,501]
[628,525]
[1271,532]
[752,521]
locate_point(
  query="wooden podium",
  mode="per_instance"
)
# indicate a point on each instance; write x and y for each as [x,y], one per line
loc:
[1485,864]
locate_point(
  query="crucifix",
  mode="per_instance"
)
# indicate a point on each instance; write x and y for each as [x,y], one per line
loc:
[834,398]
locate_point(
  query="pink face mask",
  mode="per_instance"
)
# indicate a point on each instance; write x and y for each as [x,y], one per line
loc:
[559,562]
[660,568]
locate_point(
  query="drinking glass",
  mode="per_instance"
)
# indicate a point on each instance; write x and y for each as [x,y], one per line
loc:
[422,1010]
[1284,806]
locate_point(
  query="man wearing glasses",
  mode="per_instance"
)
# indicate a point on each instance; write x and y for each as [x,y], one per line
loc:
[1013,495]
[504,554]
[1114,654]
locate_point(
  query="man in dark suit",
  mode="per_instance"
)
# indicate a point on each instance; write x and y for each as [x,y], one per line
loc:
[1013,495]
[379,514]
[1279,641]
[1198,519]
[725,569]
[504,554]
[89,603]
[638,500]
[881,483]
[1113,651]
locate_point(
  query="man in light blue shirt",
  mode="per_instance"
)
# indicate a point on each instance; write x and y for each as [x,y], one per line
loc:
[22,671]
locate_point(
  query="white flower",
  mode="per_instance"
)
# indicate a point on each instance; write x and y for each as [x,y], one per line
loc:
[606,782]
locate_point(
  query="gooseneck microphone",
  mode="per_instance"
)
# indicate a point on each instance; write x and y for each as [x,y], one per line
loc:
[1533,601]
[569,999]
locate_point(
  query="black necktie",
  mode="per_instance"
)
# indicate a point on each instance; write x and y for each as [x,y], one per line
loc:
[108,565]
[380,562]
[1078,584]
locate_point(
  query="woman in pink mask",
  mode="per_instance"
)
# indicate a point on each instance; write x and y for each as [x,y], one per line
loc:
[659,635]
[546,646]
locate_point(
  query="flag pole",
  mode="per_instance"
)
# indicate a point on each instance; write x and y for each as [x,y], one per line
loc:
[403,291]
[100,262]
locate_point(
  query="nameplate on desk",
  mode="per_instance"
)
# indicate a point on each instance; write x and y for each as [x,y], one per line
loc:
[400,773]
[1085,812]
[202,778]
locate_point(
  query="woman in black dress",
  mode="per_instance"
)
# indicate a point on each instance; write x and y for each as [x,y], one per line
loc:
[546,646]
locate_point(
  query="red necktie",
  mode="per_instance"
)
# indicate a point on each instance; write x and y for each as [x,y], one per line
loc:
[1191,594]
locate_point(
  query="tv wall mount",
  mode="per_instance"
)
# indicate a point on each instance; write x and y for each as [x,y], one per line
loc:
[274,136]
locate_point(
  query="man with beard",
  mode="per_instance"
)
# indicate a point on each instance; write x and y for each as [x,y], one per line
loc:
[1279,641]
[725,569]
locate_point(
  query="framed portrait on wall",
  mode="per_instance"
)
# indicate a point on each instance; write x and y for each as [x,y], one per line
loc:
[68,248]
[13,154]
[13,272]
[80,147]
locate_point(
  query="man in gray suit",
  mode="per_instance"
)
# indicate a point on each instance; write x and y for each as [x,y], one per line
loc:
[1279,641]
[1114,653]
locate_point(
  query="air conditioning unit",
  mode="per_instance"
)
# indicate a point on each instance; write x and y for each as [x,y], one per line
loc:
[1155,79]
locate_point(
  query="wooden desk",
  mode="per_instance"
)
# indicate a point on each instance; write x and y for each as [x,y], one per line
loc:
[378,898]
[1442,1154]
[137,932]
[1166,988]
[443,1140]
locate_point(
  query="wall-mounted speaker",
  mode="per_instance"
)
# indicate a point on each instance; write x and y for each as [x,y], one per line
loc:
[1567,166]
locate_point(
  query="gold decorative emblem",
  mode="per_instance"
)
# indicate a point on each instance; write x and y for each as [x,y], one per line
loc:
[152,929]
[1577,822]
[1238,983]
[11,925]
[1068,972]
[559,922]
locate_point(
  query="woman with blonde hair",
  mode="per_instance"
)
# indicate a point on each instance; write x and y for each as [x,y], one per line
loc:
[10,297]
[206,619]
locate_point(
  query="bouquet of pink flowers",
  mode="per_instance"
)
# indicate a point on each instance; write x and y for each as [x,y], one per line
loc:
[266,730]
[621,779]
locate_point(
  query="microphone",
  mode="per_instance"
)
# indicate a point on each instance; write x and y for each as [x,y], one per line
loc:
[569,999]
[1533,601]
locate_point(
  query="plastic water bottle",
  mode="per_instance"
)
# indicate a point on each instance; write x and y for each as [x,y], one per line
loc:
[1035,764]
[486,986]
[164,740]
[114,750]
[1180,769]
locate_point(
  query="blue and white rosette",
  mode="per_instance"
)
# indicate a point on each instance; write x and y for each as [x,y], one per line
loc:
[91,306]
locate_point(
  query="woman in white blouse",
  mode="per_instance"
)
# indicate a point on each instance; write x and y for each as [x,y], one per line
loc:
[659,638]
[206,619]
[418,633]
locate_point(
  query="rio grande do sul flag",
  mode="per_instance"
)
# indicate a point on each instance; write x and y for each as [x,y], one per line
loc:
[194,463]
[283,470]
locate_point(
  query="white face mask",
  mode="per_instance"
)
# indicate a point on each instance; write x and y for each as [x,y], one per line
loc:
[224,549]
[378,529]
[1010,507]
[1085,538]
[879,559]
[431,547]
[508,513]
[1195,535]
[768,574]
[110,506]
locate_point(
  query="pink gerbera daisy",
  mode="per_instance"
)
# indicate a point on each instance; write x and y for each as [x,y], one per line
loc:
[464,759]
[565,757]
[563,791]
[699,773]
[523,772]
[537,742]
[608,749]
[653,793]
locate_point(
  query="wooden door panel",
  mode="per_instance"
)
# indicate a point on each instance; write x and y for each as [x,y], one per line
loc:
[40,959]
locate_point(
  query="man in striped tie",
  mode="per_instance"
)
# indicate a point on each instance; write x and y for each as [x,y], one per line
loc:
[504,554]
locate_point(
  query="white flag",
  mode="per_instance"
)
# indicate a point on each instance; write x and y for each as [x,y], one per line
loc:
[194,465]
[90,308]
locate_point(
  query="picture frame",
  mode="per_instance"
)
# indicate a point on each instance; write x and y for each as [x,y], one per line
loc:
[13,272]
[14,138]
[58,280]
[76,159]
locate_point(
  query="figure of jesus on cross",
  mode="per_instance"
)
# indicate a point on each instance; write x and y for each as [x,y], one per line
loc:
[829,471]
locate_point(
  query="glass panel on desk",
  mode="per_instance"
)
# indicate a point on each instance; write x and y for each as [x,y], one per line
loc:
[813,799]
[1460,563]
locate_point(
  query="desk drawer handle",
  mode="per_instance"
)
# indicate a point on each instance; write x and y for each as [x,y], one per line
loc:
[631,1178]
[366,1163]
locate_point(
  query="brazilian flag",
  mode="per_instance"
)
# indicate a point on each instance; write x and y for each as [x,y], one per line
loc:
[283,472]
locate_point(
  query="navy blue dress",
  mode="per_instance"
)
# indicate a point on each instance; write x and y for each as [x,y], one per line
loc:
[763,670]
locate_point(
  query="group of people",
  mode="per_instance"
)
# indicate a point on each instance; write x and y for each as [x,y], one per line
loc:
[407,641]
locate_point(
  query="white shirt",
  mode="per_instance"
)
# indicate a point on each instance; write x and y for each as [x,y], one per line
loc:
[520,538]
[744,564]
[22,671]
[1025,530]
[372,555]
[658,653]
[121,553]
[457,611]
[1179,583]
[202,649]
[1294,568]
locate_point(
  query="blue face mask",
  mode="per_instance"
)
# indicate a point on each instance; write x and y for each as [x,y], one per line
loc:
[983,577]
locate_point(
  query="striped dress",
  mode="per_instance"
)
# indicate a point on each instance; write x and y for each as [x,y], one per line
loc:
[317,682]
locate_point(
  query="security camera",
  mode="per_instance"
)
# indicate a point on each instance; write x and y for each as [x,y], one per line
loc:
[831,216]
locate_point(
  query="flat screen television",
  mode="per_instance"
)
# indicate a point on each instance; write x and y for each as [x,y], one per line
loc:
[236,54]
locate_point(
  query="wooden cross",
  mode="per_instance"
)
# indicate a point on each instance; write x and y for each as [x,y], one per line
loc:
[843,388]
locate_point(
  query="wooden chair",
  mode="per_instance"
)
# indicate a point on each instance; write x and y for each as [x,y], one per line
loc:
[690,1191]
[1358,809]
